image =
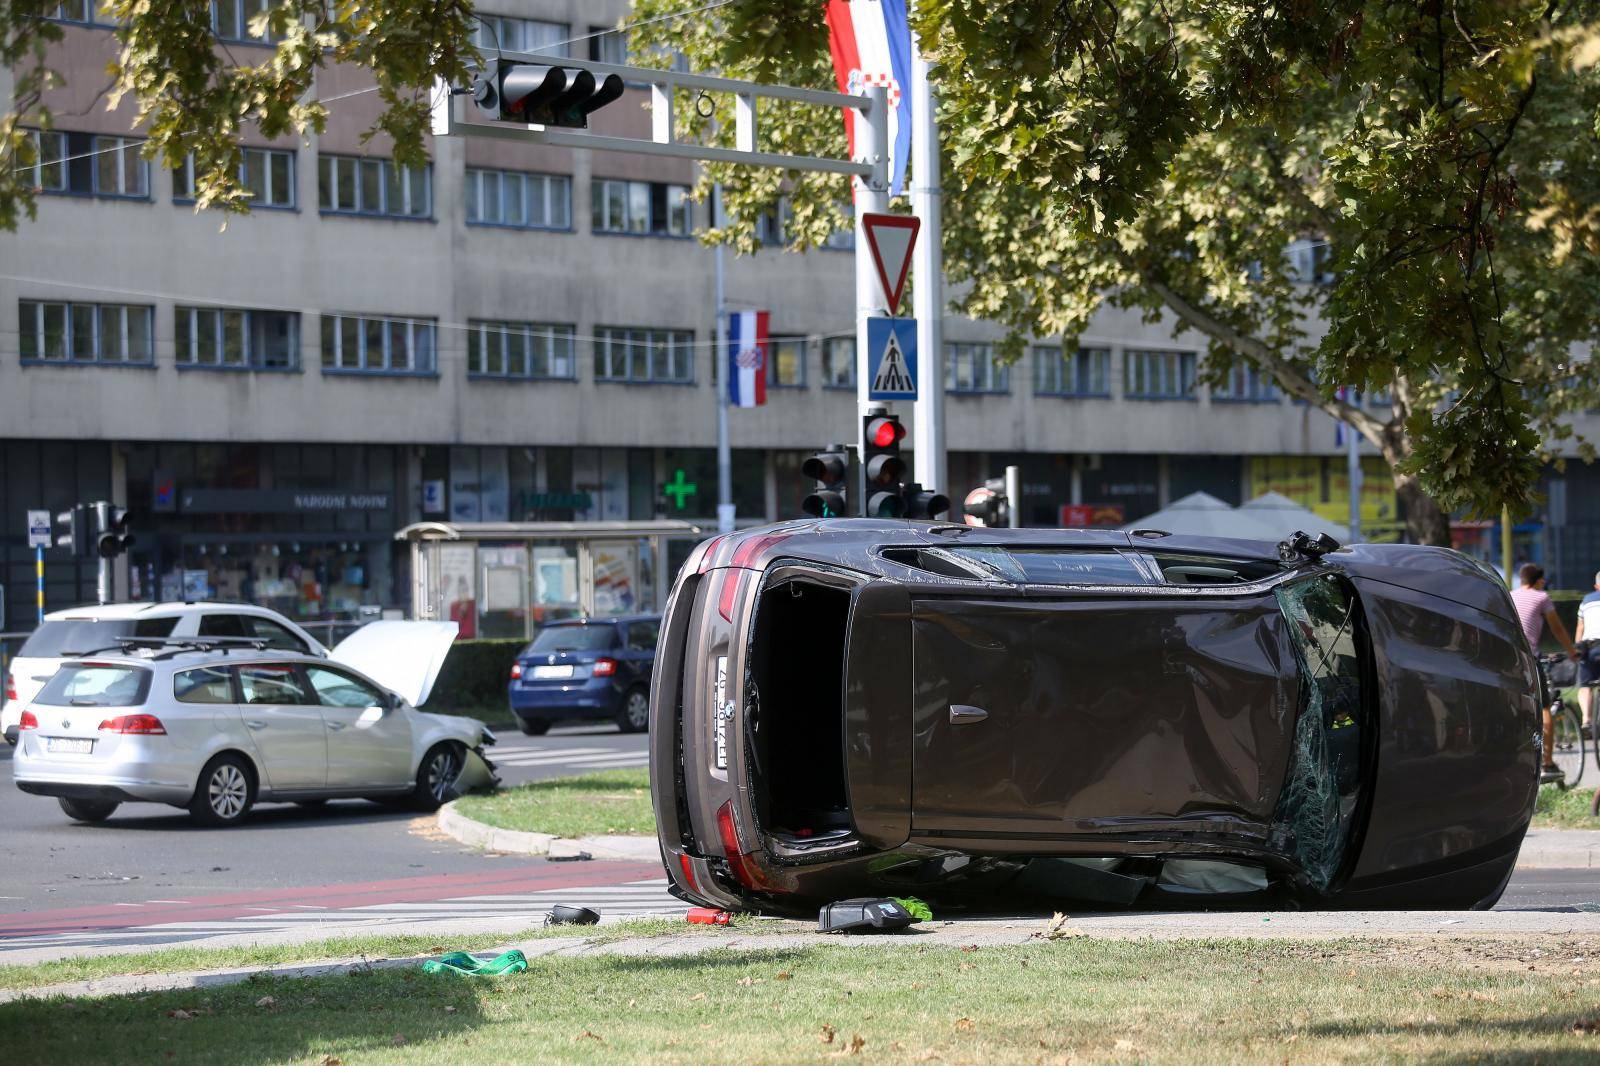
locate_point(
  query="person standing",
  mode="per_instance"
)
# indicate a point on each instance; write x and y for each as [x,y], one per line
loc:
[1536,610]
[1589,666]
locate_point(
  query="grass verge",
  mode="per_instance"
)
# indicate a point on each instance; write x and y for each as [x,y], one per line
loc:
[1080,1000]
[602,803]
[180,960]
[1568,809]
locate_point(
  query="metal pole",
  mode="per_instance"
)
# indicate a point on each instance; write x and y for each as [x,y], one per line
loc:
[928,269]
[1505,545]
[719,378]
[38,576]
[871,195]
[102,522]
[1014,497]
[1352,458]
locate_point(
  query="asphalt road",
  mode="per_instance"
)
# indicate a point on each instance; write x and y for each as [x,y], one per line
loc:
[147,851]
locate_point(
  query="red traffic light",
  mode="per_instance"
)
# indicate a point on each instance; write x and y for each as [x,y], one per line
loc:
[885,432]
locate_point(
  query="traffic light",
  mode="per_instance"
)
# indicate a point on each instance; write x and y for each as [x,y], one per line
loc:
[918,502]
[830,469]
[509,90]
[987,505]
[73,529]
[882,464]
[112,536]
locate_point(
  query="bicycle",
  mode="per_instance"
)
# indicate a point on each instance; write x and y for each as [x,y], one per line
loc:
[1566,737]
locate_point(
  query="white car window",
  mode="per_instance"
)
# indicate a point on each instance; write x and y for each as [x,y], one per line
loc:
[271,683]
[336,689]
[274,634]
[208,684]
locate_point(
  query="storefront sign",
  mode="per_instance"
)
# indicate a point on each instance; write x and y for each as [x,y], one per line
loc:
[278,501]
[1084,515]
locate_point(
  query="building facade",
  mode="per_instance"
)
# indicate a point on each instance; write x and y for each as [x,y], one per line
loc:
[516,332]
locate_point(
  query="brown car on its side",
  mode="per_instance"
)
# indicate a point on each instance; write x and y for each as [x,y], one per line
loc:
[982,716]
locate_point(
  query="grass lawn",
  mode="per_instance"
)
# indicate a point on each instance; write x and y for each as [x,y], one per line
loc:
[1564,810]
[1077,1000]
[602,803]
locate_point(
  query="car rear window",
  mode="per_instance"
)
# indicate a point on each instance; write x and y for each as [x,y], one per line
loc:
[65,637]
[574,638]
[96,685]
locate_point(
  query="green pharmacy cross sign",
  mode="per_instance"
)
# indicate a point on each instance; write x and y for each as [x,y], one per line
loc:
[679,489]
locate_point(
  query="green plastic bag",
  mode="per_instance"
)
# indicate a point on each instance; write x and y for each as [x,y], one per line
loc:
[460,962]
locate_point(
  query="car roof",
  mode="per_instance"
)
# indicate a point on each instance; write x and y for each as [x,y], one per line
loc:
[105,612]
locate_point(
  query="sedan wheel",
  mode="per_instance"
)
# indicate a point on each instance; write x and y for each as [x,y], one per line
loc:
[225,792]
[635,714]
[436,778]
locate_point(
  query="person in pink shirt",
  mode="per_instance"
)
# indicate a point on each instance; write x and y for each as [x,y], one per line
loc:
[1535,611]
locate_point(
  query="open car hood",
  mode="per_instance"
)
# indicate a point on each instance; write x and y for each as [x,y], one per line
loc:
[403,657]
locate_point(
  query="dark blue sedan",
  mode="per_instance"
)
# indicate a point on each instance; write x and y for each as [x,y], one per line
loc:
[586,668]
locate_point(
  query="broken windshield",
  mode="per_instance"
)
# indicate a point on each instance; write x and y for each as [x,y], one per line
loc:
[1044,566]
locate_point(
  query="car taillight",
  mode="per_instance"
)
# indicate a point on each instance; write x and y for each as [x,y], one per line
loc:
[516,671]
[688,873]
[144,724]
[730,594]
[711,547]
[748,876]
[29,721]
[11,685]
[604,667]
[754,546]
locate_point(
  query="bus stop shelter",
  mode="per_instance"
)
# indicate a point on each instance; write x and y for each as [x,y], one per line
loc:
[506,579]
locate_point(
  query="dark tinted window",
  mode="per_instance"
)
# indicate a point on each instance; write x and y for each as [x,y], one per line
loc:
[272,683]
[274,634]
[642,635]
[1208,570]
[223,625]
[55,640]
[575,638]
[209,684]
[1046,566]
[96,685]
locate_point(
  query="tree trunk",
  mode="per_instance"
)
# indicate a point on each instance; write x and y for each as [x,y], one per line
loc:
[1426,522]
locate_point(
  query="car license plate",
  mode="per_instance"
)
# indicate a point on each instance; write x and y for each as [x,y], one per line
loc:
[721,711]
[552,671]
[68,745]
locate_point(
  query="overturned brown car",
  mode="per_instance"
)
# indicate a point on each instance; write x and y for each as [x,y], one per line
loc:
[985,717]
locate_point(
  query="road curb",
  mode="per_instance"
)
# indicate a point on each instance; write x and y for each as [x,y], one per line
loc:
[1566,849]
[469,831]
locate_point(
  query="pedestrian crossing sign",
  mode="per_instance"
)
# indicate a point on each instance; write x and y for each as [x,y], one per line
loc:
[892,358]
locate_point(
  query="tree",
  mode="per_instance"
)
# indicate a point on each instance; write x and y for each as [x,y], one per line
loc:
[1162,155]
[1153,154]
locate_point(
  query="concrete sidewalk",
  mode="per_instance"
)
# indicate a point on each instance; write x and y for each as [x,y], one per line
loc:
[1566,849]
[1531,929]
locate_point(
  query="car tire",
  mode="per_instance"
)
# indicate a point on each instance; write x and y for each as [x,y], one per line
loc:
[533,727]
[634,715]
[436,777]
[225,793]
[88,810]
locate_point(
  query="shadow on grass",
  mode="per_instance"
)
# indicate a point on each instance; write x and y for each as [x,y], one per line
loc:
[1463,1031]
[263,1020]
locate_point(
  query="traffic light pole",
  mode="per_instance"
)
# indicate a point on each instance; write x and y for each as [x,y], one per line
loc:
[719,380]
[871,197]
[928,271]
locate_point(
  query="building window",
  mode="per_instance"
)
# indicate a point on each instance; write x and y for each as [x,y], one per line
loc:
[236,339]
[1063,372]
[646,207]
[376,345]
[117,334]
[972,368]
[267,172]
[347,185]
[839,363]
[88,164]
[644,355]
[786,362]
[504,33]
[519,350]
[607,44]
[83,11]
[230,20]
[510,198]
[1308,262]
[1245,384]
[1149,375]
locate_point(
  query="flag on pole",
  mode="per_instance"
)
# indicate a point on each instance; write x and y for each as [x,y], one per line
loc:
[747,358]
[871,45]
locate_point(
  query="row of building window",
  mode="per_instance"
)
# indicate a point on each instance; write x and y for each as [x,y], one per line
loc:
[230,19]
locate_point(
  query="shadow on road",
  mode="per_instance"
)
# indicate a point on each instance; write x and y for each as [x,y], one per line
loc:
[146,817]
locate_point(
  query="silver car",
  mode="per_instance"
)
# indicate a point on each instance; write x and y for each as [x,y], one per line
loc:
[218,724]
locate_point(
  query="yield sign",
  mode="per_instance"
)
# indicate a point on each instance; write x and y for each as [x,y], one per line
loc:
[891,238]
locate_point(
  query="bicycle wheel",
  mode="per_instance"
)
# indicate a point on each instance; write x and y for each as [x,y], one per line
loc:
[1569,751]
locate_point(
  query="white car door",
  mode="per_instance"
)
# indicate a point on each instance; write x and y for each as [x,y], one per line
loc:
[285,725]
[369,742]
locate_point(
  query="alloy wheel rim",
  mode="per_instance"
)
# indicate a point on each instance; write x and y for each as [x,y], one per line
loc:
[227,791]
[638,710]
[440,777]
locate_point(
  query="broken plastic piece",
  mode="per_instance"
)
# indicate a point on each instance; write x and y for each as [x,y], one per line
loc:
[863,916]
[708,916]
[564,914]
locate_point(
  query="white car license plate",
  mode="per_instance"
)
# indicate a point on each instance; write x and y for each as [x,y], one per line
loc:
[721,711]
[68,745]
[552,671]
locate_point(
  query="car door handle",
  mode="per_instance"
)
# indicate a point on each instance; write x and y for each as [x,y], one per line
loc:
[255,723]
[961,714]
[336,725]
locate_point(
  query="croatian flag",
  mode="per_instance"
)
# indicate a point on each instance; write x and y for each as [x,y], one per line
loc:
[871,45]
[747,358]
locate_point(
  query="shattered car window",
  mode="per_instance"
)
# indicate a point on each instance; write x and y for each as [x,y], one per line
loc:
[1048,567]
[1317,807]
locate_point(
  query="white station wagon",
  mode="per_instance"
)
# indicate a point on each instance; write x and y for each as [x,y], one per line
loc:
[217,724]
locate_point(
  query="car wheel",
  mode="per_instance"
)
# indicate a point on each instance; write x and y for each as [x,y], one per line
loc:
[436,777]
[533,727]
[225,793]
[86,810]
[635,714]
